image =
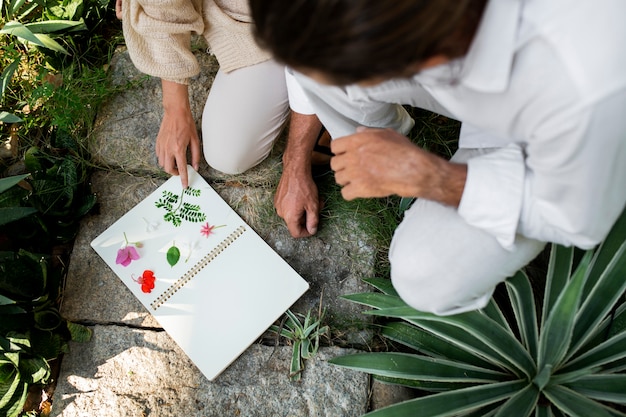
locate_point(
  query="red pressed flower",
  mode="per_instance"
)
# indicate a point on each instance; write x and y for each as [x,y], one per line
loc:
[207,230]
[146,281]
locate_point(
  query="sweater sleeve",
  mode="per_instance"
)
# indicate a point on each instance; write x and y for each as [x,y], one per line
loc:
[158,36]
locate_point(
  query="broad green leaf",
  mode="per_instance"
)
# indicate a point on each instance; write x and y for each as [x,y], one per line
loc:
[610,286]
[430,386]
[543,411]
[7,117]
[376,300]
[8,182]
[559,271]
[480,327]
[78,332]
[11,214]
[556,334]
[492,310]
[574,404]
[409,366]
[34,370]
[7,74]
[521,404]
[606,252]
[5,300]
[523,303]
[611,388]
[382,284]
[425,342]
[50,26]
[452,403]
[16,403]
[607,352]
[8,388]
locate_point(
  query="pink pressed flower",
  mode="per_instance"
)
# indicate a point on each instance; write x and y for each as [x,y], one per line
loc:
[126,255]
[207,230]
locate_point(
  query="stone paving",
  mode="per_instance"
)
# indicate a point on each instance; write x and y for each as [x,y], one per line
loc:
[131,367]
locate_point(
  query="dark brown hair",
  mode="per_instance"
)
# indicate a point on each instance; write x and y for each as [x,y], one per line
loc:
[356,40]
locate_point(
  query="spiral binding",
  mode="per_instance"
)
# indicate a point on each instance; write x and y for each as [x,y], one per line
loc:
[197,268]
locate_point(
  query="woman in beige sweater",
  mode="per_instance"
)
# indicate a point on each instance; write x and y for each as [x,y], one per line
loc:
[247,104]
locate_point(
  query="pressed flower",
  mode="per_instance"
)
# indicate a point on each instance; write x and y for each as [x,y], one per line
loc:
[126,255]
[128,252]
[207,230]
[146,280]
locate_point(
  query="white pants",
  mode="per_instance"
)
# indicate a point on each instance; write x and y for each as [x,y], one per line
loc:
[244,114]
[439,263]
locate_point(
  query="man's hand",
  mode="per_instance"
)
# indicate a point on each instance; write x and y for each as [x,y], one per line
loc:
[296,199]
[297,202]
[177,133]
[382,162]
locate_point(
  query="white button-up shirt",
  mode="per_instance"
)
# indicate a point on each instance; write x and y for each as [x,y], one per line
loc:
[544,82]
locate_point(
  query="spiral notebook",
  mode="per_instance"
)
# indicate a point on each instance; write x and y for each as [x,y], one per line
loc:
[212,283]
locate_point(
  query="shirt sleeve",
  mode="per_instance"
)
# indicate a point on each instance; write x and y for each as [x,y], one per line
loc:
[566,185]
[158,36]
[298,101]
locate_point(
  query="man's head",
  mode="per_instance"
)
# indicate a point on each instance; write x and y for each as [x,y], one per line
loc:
[350,41]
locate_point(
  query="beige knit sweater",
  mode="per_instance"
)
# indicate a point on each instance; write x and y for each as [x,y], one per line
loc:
[158,35]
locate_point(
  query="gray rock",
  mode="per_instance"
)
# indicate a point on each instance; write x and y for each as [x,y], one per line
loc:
[134,372]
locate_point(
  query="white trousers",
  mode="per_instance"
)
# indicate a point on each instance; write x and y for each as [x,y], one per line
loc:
[439,263]
[244,114]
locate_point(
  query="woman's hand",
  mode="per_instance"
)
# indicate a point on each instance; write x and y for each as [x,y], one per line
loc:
[177,133]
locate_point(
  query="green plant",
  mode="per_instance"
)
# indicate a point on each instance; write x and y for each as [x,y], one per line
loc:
[511,359]
[305,337]
[12,200]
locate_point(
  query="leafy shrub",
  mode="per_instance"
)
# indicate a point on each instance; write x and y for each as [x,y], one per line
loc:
[566,358]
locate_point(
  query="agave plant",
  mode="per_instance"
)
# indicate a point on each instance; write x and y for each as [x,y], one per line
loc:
[565,355]
[305,337]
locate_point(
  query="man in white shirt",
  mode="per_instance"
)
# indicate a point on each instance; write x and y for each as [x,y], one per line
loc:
[540,87]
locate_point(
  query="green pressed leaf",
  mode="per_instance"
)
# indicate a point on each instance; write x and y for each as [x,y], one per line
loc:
[574,404]
[521,404]
[556,334]
[559,272]
[173,255]
[452,403]
[611,388]
[409,366]
[523,303]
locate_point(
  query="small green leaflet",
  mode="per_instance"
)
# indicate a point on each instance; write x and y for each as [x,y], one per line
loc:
[173,255]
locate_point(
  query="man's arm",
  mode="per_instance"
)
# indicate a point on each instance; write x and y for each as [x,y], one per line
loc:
[382,162]
[296,199]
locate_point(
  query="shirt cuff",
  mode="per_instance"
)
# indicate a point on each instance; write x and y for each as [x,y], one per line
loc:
[493,193]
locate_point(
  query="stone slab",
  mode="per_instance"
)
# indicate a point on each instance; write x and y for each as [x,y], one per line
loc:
[124,372]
